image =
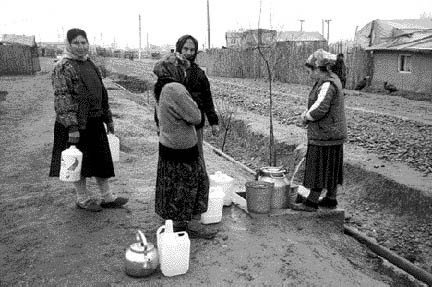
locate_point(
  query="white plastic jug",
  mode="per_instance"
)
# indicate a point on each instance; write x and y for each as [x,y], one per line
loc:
[174,250]
[70,168]
[215,206]
[225,182]
[114,144]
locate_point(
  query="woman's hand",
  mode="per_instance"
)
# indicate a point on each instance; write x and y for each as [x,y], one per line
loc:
[215,130]
[110,128]
[74,137]
[303,119]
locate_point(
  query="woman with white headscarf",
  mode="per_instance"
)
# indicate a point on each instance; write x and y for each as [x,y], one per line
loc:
[82,108]
[326,133]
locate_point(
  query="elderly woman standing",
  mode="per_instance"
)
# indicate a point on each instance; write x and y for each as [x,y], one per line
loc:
[82,108]
[182,184]
[326,133]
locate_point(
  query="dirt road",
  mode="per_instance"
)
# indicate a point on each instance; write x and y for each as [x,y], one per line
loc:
[46,241]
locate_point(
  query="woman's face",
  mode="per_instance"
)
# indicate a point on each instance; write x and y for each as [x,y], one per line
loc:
[313,73]
[188,49]
[79,46]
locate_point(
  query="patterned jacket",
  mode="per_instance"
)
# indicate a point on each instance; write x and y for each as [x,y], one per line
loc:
[70,96]
[327,109]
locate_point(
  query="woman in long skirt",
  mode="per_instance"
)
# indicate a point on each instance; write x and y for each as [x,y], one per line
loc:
[326,133]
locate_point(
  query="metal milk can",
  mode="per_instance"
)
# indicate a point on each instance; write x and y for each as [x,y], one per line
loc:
[141,258]
[280,193]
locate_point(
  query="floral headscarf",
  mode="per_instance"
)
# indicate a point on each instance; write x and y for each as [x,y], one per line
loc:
[173,66]
[320,58]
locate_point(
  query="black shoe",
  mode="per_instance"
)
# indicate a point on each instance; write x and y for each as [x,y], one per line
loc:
[307,205]
[117,203]
[201,233]
[328,203]
[89,205]
[300,198]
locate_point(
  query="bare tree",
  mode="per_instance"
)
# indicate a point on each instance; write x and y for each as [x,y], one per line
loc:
[272,150]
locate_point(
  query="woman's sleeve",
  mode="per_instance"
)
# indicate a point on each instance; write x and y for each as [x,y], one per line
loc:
[207,100]
[187,109]
[65,105]
[322,105]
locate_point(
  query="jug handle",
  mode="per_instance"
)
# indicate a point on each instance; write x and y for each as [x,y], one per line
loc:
[257,174]
[141,237]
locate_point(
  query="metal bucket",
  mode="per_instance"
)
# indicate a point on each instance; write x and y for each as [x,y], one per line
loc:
[281,188]
[258,196]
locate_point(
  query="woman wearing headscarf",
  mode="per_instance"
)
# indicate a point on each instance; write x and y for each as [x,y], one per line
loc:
[326,133]
[198,86]
[82,108]
[182,184]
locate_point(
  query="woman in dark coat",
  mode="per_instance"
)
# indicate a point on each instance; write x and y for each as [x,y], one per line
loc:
[82,108]
[326,133]
[182,184]
[198,86]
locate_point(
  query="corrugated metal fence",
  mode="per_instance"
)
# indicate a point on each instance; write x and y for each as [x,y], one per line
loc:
[18,60]
[286,61]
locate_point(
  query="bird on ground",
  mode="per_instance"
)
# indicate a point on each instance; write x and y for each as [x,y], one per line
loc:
[362,84]
[389,87]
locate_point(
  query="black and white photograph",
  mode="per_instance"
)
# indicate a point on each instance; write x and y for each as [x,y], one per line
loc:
[216,143]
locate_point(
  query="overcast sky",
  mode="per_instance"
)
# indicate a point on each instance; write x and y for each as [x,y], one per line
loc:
[166,20]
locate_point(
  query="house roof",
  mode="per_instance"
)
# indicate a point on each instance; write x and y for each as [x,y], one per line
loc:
[413,41]
[299,36]
[379,31]
[18,39]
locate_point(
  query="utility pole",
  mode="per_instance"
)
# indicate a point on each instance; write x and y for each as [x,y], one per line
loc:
[322,27]
[301,25]
[328,29]
[139,30]
[148,47]
[208,23]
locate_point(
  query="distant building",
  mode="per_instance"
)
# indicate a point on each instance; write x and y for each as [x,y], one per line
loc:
[379,31]
[18,55]
[300,36]
[250,38]
[405,61]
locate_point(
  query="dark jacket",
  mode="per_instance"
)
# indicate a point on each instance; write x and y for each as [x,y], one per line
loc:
[71,94]
[326,106]
[198,86]
[340,70]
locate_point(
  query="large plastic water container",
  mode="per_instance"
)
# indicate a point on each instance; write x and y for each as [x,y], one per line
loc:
[215,206]
[174,250]
[114,144]
[226,183]
[70,167]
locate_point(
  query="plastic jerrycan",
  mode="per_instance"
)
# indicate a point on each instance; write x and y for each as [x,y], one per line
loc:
[114,144]
[215,206]
[174,250]
[225,182]
[70,167]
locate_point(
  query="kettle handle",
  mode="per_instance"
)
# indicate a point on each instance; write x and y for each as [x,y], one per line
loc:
[141,237]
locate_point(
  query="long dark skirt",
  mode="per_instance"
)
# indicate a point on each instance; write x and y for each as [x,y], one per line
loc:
[182,189]
[97,160]
[324,166]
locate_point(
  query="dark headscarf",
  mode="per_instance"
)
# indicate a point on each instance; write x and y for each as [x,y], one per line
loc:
[75,32]
[182,40]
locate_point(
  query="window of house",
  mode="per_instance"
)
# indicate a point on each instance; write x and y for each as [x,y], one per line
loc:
[405,63]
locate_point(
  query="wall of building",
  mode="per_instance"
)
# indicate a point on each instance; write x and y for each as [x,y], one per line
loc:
[386,69]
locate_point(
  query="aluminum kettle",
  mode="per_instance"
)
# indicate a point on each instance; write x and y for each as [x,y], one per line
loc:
[141,258]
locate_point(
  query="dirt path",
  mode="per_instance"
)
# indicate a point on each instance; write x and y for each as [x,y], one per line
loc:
[46,241]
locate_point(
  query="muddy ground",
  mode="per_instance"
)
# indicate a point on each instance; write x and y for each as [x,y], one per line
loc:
[387,191]
[46,241]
